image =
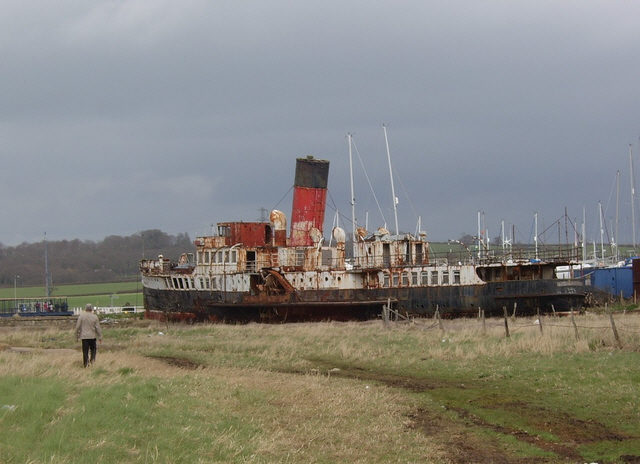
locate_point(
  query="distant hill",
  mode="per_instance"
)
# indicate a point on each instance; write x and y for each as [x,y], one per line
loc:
[75,261]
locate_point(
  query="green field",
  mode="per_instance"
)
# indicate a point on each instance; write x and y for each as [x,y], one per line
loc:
[325,392]
[118,293]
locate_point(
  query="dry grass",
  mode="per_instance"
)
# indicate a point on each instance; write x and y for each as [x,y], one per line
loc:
[275,393]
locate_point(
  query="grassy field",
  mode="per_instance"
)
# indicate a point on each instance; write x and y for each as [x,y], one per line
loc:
[324,393]
[118,293]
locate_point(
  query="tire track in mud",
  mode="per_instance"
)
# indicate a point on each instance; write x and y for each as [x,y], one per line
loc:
[465,446]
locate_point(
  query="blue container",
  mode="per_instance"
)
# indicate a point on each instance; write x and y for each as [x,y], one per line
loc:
[611,280]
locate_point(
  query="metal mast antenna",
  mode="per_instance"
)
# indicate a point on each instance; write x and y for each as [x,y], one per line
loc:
[393,191]
[353,199]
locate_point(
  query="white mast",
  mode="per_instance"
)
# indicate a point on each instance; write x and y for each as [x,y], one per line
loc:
[479,237]
[502,235]
[633,194]
[584,233]
[353,201]
[616,239]
[393,191]
[601,231]
[535,236]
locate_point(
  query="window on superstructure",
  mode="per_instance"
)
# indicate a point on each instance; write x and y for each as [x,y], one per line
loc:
[207,257]
[405,279]
[394,280]
[327,257]
[226,257]
[385,282]
[414,278]
[207,283]
[300,256]
[224,231]
[445,277]
[456,277]
[200,257]
[424,277]
[434,278]
[234,256]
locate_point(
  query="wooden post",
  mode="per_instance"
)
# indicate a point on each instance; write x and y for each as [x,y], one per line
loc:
[506,323]
[515,305]
[621,297]
[484,325]
[575,327]
[479,312]
[554,311]
[635,301]
[440,321]
[385,313]
[539,320]
[615,330]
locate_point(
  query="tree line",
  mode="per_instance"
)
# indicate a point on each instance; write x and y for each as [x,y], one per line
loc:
[113,259]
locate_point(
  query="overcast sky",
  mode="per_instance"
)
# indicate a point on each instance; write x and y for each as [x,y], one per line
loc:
[121,116]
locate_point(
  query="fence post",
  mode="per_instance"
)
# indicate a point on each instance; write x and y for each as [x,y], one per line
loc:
[615,330]
[515,305]
[439,320]
[506,323]
[575,327]
[484,325]
[539,320]
[553,308]
[385,313]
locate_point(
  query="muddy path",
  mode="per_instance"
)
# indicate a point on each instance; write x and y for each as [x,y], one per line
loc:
[468,438]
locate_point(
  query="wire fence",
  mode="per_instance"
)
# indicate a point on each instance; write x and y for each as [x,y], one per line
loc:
[625,322]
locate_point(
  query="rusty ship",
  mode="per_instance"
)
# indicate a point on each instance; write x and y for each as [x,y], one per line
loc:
[253,271]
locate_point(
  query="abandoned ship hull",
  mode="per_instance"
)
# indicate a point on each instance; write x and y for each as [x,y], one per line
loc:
[362,304]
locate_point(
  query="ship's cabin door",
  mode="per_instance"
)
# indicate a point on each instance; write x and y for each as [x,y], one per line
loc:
[386,255]
[251,261]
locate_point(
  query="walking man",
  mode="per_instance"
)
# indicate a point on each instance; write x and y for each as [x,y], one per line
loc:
[88,330]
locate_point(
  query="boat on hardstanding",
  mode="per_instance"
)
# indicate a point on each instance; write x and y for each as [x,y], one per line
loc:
[253,271]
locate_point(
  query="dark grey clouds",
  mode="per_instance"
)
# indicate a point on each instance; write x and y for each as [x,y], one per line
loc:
[122,116]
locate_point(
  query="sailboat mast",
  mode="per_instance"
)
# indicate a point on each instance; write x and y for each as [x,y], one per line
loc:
[601,231]
[616,239]
[393,191]
[353,200]
[584,233]
[633,195]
